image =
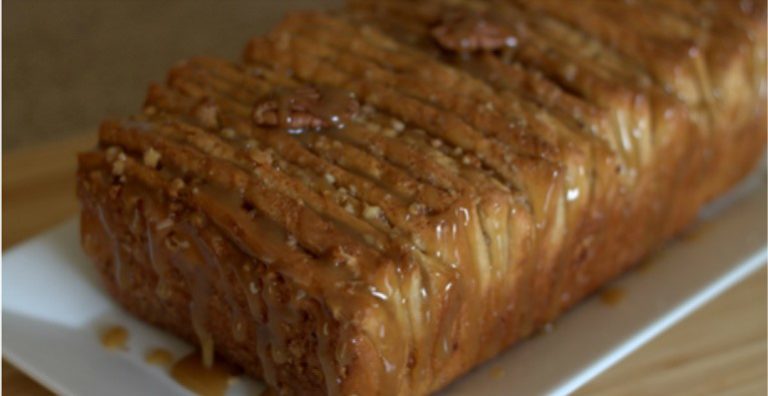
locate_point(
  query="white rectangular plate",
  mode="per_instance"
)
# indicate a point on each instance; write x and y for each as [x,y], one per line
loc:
[54,309]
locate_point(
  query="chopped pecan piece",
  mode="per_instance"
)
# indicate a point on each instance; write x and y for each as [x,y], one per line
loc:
[207,113]
[472,32]
[304,108]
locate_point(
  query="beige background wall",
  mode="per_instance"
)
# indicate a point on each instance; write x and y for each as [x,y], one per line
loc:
[67,64]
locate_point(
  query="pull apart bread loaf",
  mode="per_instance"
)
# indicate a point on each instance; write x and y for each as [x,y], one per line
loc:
[377,199]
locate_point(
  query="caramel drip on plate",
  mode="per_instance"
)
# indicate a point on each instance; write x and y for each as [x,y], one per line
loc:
[159,357]
[114,337]
[191,373]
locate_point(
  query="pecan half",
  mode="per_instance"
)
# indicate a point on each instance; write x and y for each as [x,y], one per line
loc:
[472,32]
[303,108]
[268,113]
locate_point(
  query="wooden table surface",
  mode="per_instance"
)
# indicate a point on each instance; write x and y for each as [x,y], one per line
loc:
[720,349]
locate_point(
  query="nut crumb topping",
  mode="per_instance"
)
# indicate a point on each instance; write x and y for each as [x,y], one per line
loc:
[373,127]
[329,178]
[417,208]
[398,125]
[151,157]
[291,241]
[261,157]
[207,113]
[118,165]
[340,256]
[176,186]
[228,133]
[389,132]
[251,144]
[369,239]
[372,212]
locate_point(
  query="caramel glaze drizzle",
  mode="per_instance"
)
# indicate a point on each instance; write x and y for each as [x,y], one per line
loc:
[203,379]
[159,357]
[271,344]
[412,186]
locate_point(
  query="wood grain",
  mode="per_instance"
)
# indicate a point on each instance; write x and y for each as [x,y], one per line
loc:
[720,349]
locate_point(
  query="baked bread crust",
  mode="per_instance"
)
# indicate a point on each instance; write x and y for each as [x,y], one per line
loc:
[376,200]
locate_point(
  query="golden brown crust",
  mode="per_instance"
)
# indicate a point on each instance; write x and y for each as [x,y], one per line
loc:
[378,199]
